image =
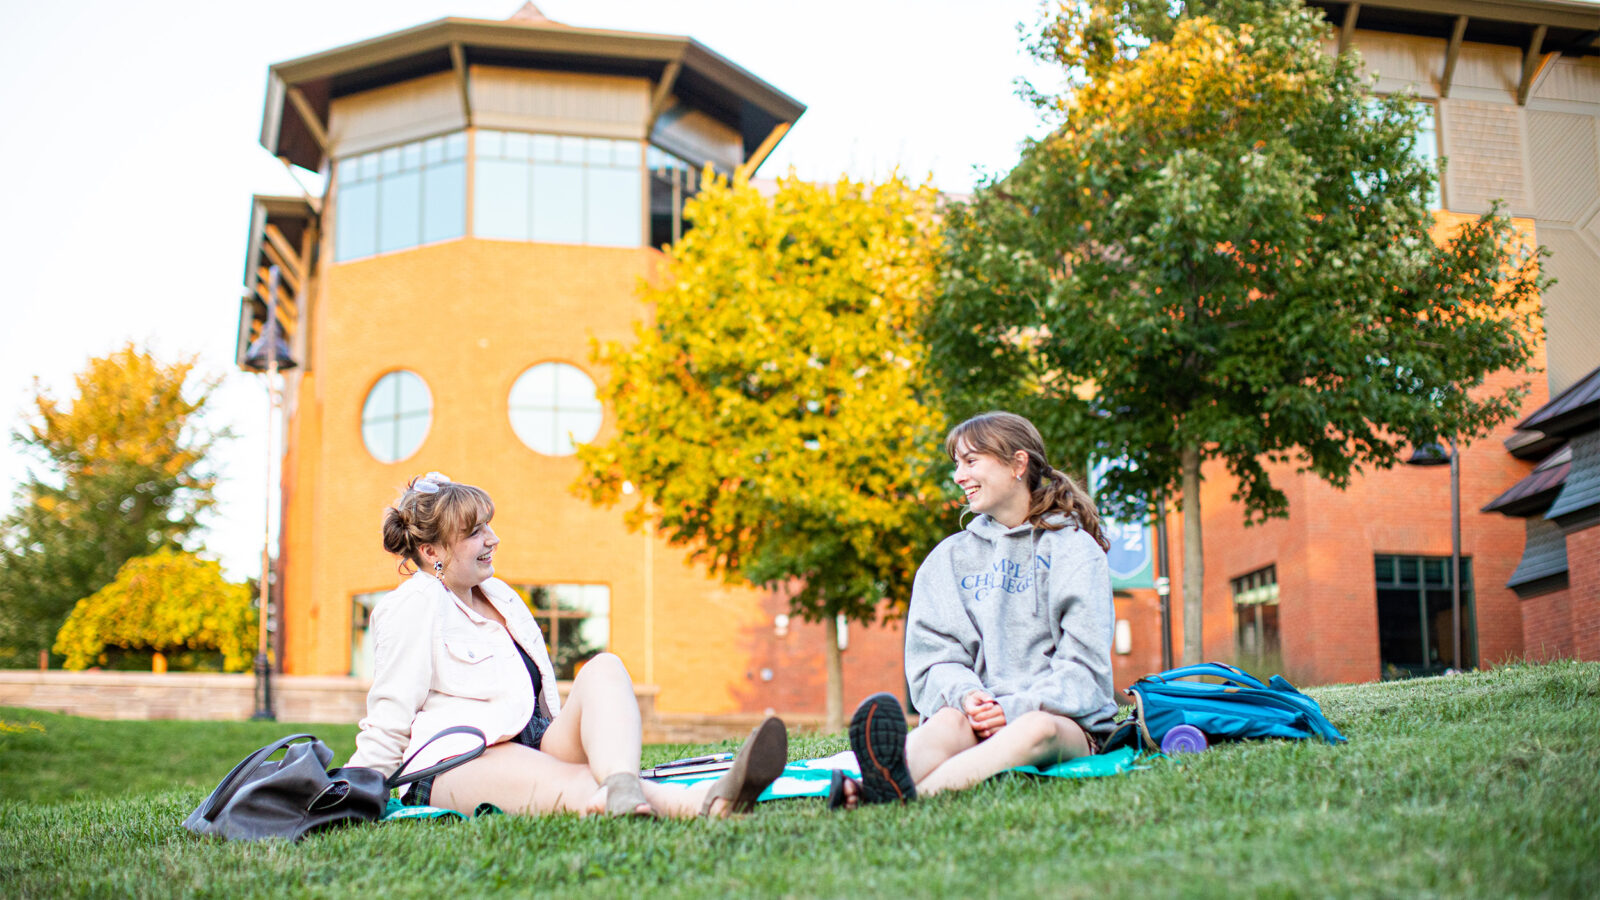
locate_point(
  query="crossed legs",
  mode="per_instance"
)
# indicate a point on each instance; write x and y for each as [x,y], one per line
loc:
[943,754]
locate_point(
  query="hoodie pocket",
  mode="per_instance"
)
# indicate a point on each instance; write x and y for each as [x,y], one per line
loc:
[466,668]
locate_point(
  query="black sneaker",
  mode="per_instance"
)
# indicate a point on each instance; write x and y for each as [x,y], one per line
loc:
[878,737]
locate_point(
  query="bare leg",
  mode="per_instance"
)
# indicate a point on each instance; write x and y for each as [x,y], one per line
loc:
[1035,738]
[517,779]
[598,726]
[521,780]
[940,737]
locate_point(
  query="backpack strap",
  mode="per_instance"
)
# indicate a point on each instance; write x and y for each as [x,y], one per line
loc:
[1213,669]
[1136,723]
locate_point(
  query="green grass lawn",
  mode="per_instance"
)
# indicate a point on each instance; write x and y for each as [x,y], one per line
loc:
[1482,785]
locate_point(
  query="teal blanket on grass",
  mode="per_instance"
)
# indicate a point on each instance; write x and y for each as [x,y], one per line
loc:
[809,777]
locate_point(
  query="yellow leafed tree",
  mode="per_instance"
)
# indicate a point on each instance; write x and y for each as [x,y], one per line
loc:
[167,601]
[774,416]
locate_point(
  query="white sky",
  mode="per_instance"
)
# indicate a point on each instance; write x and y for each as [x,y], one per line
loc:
[131,134]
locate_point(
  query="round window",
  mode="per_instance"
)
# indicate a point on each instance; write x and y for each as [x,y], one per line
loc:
[554,408]
[396,416]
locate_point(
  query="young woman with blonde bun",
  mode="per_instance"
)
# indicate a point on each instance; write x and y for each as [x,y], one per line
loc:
[453,645]
[1008,636]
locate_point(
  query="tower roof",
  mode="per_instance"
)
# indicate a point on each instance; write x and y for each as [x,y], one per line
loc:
[300,91]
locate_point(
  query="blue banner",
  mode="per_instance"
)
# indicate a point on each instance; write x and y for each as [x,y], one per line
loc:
[1131,557]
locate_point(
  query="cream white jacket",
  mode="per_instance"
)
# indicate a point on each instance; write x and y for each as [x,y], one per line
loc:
[436,663]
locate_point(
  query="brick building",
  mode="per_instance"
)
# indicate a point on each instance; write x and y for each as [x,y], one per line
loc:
[494,194]
[1355,585]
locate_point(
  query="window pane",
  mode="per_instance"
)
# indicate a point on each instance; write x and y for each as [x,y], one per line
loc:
[382,401]
[444,198]
[545,148]
[455,145]
[500,200]
[557,203]
[411,156]
[358,221]
[400,208]
[542,416]
[433,150]
[389,161]
[369,166]
[395,416]
[490,143]
[516,146]
[597,152]
[571,149]
[577,427]
[614,200]
[1408,571]
[409,432]
[626,154]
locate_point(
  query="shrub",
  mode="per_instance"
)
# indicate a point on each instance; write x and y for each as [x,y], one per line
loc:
[165,602]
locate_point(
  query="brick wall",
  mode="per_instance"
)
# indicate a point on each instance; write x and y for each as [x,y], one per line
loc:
[1583,567]
[1547,625]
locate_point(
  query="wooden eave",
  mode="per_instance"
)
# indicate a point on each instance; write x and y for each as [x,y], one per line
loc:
[1571,27]
[278,227]
[707,80]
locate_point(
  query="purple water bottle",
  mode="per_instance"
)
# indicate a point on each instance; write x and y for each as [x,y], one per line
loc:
[1183,739]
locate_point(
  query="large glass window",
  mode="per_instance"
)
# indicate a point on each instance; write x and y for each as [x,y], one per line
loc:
[576,619]
[1426,147]
[1255,612]
[557,188]
[672,182]
[554,408]
[1414,617]
[360,637]
[401,197]
[396,416]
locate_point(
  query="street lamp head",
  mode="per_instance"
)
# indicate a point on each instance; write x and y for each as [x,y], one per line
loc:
[1434,454]
[255,356]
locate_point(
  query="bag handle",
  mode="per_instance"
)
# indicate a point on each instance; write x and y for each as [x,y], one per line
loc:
[242,772]
[400,780]
[1215,669]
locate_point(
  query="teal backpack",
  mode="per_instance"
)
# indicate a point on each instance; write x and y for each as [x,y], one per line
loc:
[1169,711]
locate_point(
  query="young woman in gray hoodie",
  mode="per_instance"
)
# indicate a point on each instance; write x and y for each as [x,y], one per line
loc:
[1008,638]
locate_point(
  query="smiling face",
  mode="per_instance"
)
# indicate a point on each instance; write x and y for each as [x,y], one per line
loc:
[469,561]
[991,484]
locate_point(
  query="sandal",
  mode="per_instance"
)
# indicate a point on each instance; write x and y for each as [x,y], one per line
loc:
[839,790]
[624,795]
[758,763]
[878,737]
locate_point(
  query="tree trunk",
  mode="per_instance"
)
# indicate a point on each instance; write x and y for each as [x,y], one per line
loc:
[1194,566]
[835,657]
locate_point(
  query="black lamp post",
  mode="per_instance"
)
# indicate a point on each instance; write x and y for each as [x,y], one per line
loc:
[1435,455]
[1164,583]
[269,355]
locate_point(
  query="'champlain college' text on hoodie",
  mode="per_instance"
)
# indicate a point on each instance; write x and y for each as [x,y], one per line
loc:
[1023,613]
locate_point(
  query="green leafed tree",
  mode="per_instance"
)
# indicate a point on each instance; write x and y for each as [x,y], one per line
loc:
[120,472]
[1223,251]
[167,602]
[771,413]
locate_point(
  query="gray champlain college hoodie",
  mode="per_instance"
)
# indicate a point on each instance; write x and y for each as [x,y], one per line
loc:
[1024,613]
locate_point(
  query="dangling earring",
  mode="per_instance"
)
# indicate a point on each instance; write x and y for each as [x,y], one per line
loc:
[438,570]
